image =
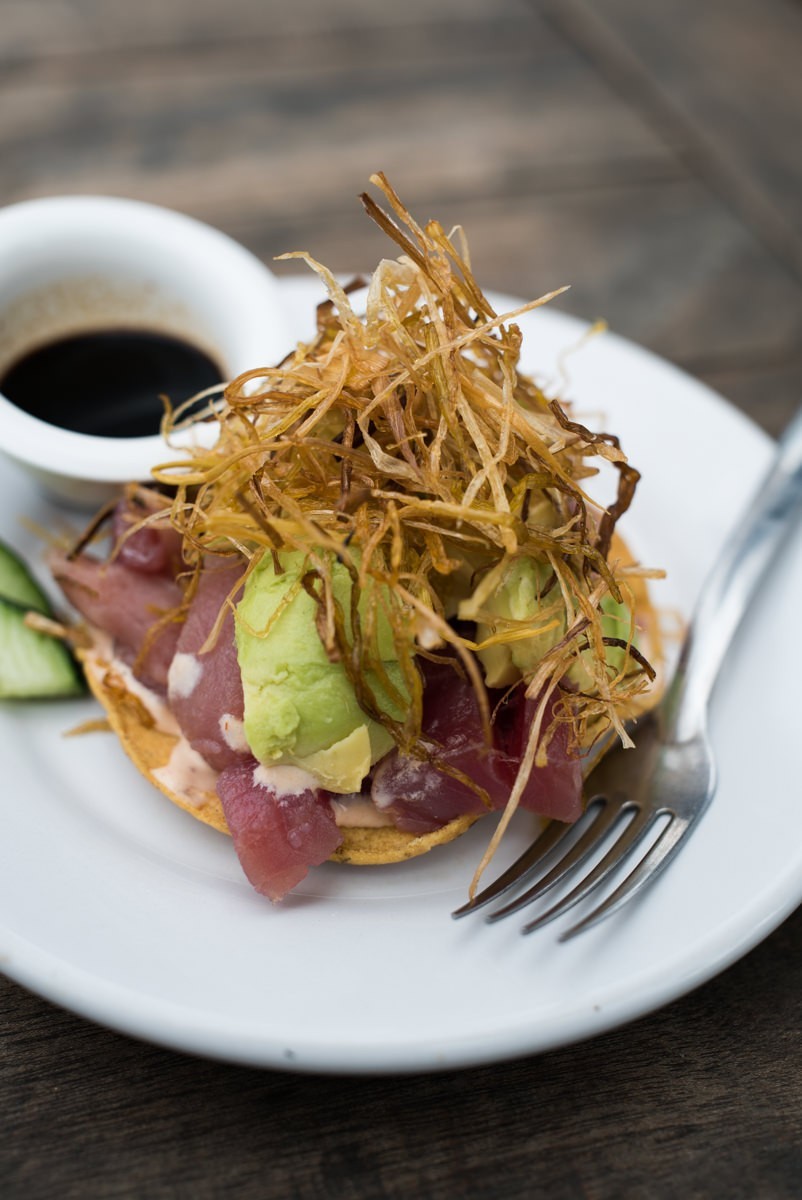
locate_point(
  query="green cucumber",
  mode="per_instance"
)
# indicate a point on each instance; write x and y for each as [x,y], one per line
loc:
[33,665]
[17,583]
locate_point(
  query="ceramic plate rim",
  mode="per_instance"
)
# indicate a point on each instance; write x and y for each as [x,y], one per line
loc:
[196,1030]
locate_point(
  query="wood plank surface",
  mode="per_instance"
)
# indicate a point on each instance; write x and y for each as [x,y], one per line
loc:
[646,153]
[731,68]
[229,131]
[55,27]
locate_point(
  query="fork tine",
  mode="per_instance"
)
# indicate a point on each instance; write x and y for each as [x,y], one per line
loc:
[606,817]
[520,870]
[623,845]
[657,857]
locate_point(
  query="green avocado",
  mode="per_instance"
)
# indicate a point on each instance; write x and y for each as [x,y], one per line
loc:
[300,708]
[522,607]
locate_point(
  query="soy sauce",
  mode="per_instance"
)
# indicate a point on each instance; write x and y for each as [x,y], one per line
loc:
[108,382]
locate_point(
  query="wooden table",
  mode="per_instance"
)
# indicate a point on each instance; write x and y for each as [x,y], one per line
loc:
[647,153]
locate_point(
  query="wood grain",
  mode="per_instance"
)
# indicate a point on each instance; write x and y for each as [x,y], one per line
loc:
[731,67]
[52,28]
[238,130]
[721,81]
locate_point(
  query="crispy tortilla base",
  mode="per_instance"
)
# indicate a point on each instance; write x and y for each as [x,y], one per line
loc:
[150,749]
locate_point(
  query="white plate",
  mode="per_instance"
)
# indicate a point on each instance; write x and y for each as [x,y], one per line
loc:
[116,905]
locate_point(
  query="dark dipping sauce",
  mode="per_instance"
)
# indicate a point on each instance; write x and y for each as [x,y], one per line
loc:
[108,383]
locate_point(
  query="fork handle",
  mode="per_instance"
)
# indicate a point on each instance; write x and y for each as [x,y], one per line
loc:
[731,585]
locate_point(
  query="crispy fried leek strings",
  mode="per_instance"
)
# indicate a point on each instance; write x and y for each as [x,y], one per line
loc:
[406,445]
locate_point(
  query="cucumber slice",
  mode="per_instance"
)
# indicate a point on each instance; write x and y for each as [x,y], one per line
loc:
[32,664]
[17,583]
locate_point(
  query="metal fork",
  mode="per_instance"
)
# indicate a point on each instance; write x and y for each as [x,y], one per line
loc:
[653,796]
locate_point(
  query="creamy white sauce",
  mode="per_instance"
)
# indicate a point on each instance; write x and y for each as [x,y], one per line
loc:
[100,659]
[358,812]
[426,634]
[232,730]
[187,774]
[349,811]
[184,675]
[285,780]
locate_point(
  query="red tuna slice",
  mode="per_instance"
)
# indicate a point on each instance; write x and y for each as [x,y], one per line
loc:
[205,690]
[420,798]
[416,794]
[277,836]
[151,549]
[554,790]
[124,604]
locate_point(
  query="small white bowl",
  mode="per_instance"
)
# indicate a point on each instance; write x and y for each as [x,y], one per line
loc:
[74,264]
